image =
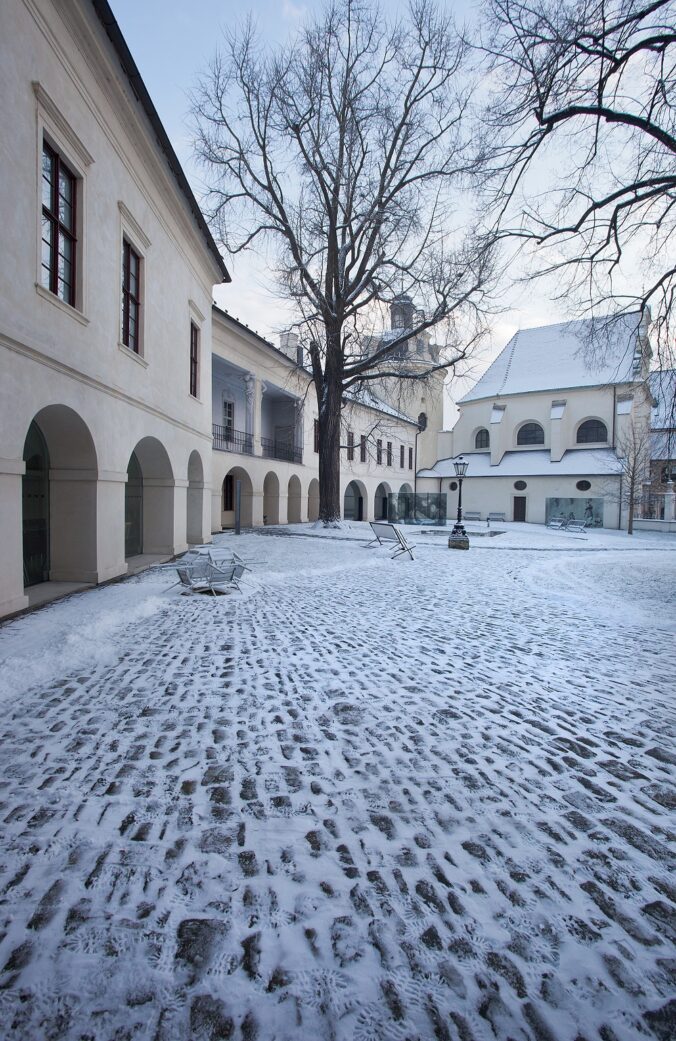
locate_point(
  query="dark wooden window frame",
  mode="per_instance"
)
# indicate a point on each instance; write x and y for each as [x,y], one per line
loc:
[59,230]
[389,453]
[379,452]
[482,439]
[402,457]
[194,359]
[591,426]
[350,446]
[362,448]
[531,434]
[131,302]
[410,458]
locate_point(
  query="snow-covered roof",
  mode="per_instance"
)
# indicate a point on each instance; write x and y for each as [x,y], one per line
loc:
[663,389]
[554,357]
[531,464]
[365,396]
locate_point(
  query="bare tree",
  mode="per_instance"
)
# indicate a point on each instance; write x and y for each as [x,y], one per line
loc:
[345,152]
[582,116]
[634,451]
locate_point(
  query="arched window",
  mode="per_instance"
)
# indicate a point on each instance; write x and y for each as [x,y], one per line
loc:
[590,431]
[482,439]
[531,434]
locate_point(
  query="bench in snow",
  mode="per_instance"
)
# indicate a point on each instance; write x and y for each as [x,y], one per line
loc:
[468,515]
[384,532]
[496,517]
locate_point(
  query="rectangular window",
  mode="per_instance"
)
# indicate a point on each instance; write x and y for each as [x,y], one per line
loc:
[228,419]
[59,242]
[402,454]
[350,446]
[194,359]
[131,297]
[379,451]
[410,458]
[389,453]
[316,435]
[362,448]
[229,493]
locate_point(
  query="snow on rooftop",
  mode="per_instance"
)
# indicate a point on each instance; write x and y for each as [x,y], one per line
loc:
[534,464]
[365,396]
[554,357]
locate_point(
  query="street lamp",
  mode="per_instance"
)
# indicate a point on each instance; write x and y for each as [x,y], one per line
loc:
[458,538]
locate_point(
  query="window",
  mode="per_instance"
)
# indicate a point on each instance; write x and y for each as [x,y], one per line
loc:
[389,453]
[350,446]
[583,486]
[482,439]
[592,430]
[229,493]
[59,242]
[316,435]
[194,359]
[531,434]
[362,449]
[131,297]
[520,486]
[379,451]
[410,458]
[453,486]
[228,419]
[402,457]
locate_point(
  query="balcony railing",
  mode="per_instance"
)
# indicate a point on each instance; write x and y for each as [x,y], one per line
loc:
[228,440]
[280,450]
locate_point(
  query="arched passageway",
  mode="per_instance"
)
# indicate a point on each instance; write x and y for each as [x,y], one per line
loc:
[195,501]
[355,506]
[271,498]
[149,500]
[59,499]
[313,500]
[380,501]
[229,498]
[294,500]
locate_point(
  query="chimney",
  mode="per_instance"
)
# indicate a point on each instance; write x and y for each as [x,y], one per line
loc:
[288,344]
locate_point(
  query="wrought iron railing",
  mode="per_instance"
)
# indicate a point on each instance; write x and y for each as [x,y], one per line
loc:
[228,440]
[272,449]
[650,506]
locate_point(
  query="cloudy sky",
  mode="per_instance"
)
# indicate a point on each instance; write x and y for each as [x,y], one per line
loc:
[172,43]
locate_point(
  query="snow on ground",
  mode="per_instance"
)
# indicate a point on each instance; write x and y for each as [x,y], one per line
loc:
[368,799]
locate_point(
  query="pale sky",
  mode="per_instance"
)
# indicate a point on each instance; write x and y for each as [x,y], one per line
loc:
[172,43]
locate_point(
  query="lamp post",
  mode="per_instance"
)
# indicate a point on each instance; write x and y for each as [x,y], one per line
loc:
[458,538]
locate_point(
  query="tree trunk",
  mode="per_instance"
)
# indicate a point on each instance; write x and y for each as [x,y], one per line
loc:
[630,518]
[330,403]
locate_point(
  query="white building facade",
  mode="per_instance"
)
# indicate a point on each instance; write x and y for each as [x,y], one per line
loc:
[105,311]
[543,427]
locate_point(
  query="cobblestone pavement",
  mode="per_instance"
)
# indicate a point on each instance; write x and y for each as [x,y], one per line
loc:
[372,800]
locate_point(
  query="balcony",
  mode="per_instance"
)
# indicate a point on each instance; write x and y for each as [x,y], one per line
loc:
[228,440]
[272,449]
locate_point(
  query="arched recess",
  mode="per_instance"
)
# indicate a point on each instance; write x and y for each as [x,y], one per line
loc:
[229,498]
[592,431]
[355,502]
[530,433]
[482,438]
[195,502]
[271,498]
[380,501]
[149,500]
[313,500]
[294,500]
[59,499]
[404,506]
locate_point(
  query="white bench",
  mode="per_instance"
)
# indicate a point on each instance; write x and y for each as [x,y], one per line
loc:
[384,532]
[496,517]
[471,516]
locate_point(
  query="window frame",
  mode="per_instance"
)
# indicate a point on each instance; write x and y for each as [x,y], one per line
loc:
[59,229]
[529,443]
[481,431]
[589,440]
[379,452]
[350,446]
[194,365]
[388,449]
[410,457]
[402,457]
[362,448]
[130,301]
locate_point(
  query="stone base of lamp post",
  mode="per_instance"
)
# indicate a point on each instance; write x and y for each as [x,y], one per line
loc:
[458,538]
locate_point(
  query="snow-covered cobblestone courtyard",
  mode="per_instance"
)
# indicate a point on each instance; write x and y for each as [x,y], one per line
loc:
[365,799]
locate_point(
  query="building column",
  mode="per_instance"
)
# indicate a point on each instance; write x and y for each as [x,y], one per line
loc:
[73,510]
[670,502]
[12,597]
[250,426]
[110,496]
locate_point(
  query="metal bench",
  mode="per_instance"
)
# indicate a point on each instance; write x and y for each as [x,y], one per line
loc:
[384,532]
[468,515]
[496,517]
[557,522]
